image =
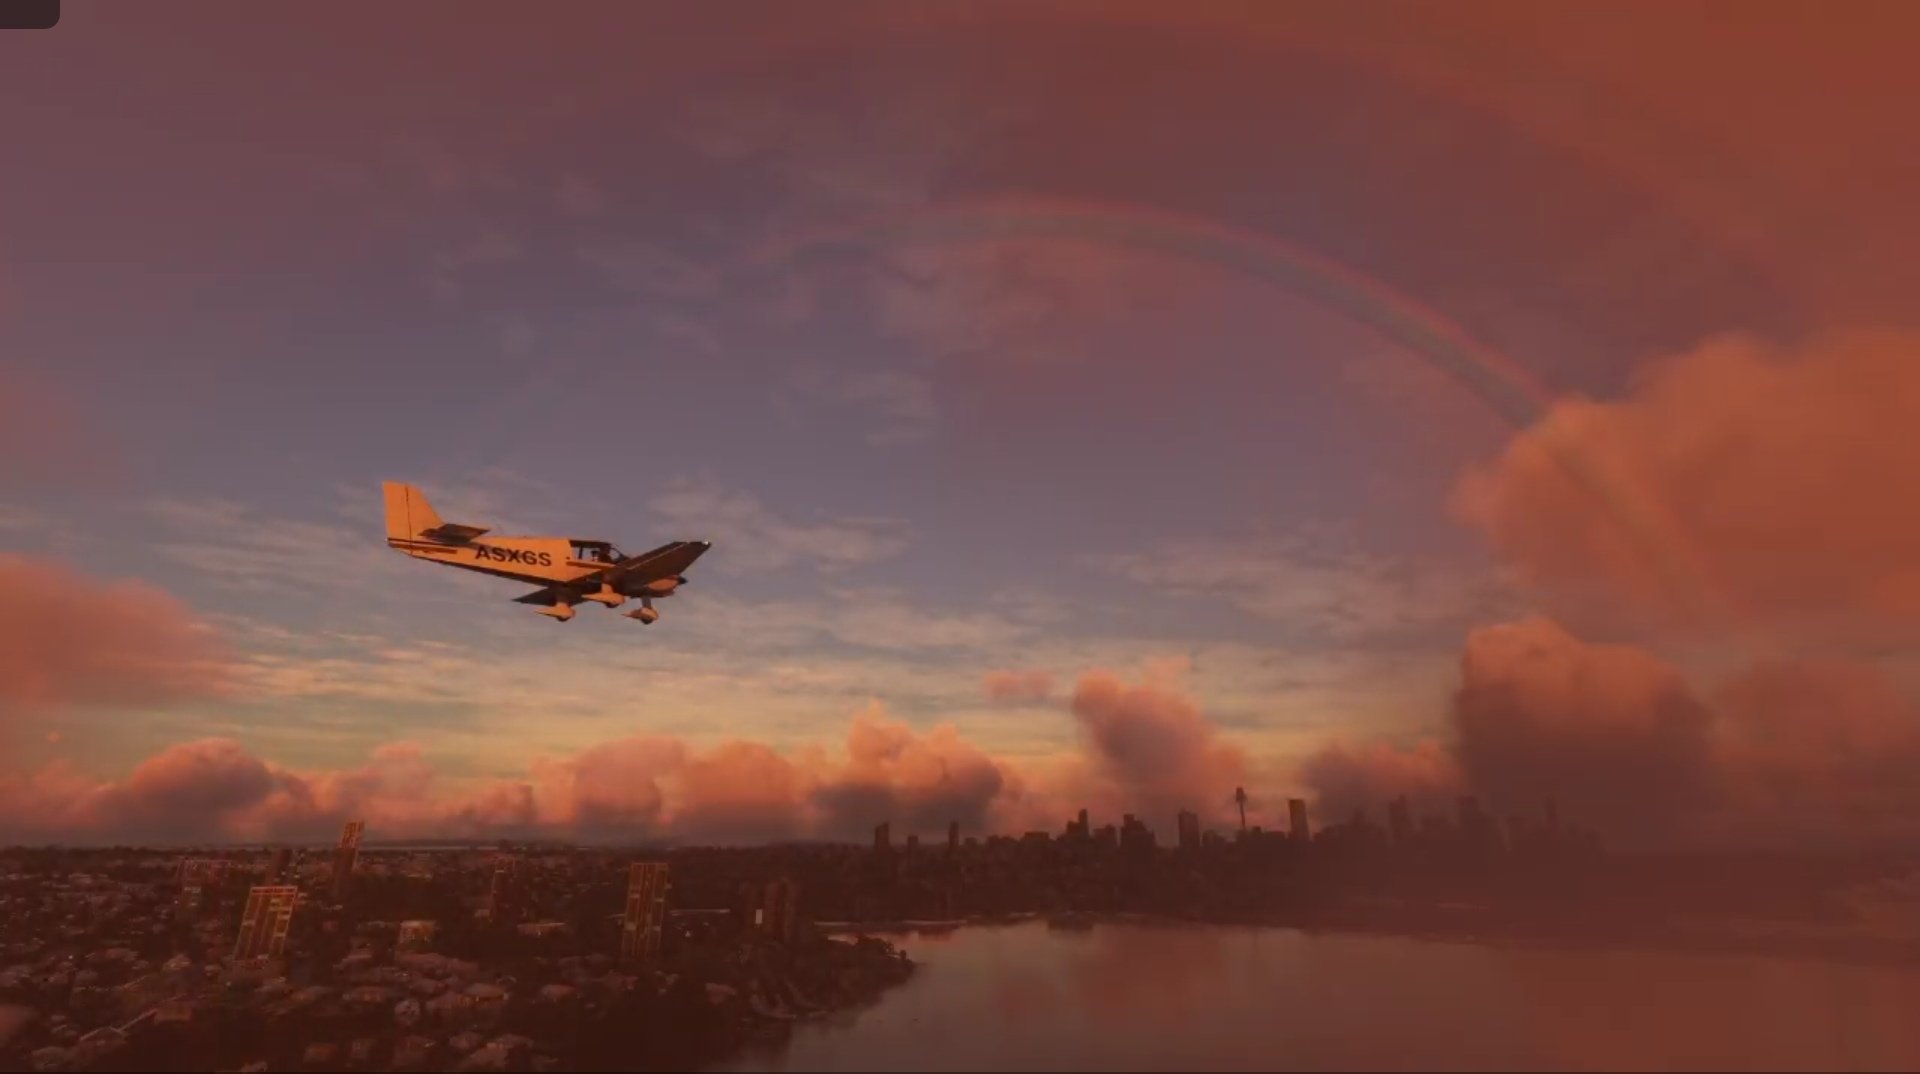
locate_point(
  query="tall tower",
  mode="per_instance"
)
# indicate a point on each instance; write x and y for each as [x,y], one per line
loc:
[1297,820]
[264,924]
[344,857]
[1240,799]
[883,837]
[646,911]
[1189,830]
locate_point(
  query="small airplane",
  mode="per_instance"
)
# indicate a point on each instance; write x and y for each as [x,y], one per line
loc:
[568,570]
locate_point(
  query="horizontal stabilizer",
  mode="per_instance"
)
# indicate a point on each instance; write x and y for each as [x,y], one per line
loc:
[539,596]
[453,531]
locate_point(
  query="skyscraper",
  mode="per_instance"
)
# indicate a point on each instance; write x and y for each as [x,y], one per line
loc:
[953,836]
[344,857]
[1297,827]
[1240,799]
[883,837]
[278,863]
[646,911]
[264,923]
[1189,830]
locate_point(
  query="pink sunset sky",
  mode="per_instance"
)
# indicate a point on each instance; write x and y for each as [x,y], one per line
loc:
[1092,404]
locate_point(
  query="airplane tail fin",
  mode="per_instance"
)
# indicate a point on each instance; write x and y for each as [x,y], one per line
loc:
[409,516]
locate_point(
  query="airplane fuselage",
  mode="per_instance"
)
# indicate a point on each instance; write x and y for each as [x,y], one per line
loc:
[567,570]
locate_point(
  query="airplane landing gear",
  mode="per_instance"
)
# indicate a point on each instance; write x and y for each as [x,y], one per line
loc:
[559,612]
[645,612]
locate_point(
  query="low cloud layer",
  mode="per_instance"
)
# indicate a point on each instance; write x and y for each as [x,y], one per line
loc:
[1738,485]
[68,639]
[1147,749]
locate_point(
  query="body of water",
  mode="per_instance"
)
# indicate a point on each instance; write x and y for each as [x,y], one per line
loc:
[1180,997]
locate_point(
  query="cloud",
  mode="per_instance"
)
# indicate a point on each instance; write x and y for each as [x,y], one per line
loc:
[1153,747]
[1607,730]
[1786,752]
[1738,484]
[1148,748]
[1346,776]
[1019,685]
[754,537]
[68,639]
[1316,582]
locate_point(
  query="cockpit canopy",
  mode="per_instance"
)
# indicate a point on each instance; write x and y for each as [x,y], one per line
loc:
[596,552]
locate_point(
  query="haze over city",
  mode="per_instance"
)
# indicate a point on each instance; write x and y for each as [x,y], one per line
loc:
[1094,405]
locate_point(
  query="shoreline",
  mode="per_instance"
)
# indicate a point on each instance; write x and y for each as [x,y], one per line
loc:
[1853,950]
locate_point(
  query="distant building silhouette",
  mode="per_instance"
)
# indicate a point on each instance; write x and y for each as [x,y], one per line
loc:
[953,836]
[1189,830]
[344,857]
[913,843]
[1240,799]
[264,923]
[646,910]
[278,864]
[883,837]
[1297,827]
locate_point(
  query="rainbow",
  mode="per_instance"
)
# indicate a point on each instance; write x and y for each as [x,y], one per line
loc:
[1503,385]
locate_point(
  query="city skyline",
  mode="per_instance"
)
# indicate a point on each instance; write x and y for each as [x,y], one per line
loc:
[1059,448]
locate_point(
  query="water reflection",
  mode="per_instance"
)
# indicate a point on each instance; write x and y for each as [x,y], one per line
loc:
[1149,997]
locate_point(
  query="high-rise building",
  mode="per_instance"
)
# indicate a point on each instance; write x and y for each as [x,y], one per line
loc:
[1240,799]
[953,836]
[278,863]
[1189,830]
[1085,828]
[913,843]
[344,857]
[883,837]
[264,924]
[646,912]
[1297,827]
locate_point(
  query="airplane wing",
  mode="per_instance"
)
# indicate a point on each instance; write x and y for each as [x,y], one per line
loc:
[665,561]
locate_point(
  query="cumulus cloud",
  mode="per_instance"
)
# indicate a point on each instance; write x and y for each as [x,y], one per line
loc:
[919,782]
[1785,752]
[642,787]
[1151,744]
[1608,730]
[69,639]
[1016,686]
[1347,776]
[1738,484]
